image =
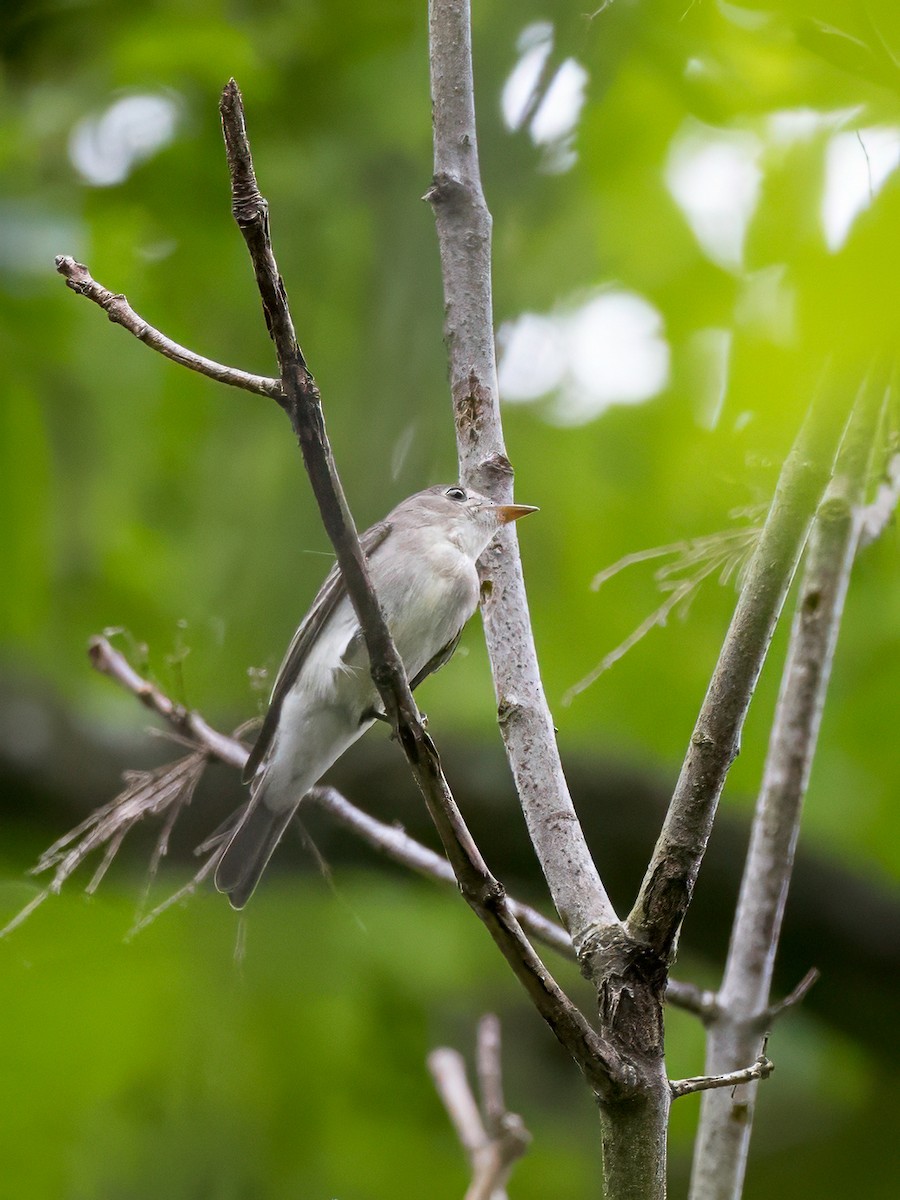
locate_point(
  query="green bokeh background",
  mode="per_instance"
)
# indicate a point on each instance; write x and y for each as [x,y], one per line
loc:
[136,495]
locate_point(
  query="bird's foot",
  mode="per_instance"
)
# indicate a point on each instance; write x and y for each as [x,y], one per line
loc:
[375,714]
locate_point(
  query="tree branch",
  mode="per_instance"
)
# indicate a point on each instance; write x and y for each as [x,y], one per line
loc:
[120,312]
[794,997]
[702,1002]
[464,234]
[390,840]
[744,1010]
[398,846]
[492,1137]
[761,1069]
[187,724]
[302,403]
[669,881]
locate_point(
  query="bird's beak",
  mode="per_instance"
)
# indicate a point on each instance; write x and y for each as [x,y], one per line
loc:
[512,512]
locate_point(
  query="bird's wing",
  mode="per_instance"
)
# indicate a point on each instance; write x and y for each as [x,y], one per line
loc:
[330,593]
[442,657]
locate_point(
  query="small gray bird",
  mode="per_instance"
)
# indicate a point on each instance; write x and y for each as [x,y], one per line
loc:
[421,560]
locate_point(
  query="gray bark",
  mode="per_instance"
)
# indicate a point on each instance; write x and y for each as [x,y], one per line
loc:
[744,1015]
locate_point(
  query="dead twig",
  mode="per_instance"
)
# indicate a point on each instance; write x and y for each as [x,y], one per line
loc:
[492,1137]
[120,312]
[761,1069]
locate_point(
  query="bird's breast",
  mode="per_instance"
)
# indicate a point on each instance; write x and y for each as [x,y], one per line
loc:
[427,596]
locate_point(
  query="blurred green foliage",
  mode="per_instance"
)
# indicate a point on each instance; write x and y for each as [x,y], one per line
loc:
[136,495]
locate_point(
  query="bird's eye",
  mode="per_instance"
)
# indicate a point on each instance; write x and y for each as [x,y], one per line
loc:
[455,493]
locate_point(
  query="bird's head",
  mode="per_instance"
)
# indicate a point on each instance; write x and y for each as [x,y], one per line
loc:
[461,515]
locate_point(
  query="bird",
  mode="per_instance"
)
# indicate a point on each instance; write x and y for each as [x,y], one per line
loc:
[421,561]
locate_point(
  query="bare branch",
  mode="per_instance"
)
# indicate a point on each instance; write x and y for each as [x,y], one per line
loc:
[761,1069]
[464,233]
[723,1143]
[448,1070]
[492,1137]
[794,997]
[396,844]
[388,840]
[702,1002]
[120,312]
[186,723]
[298,394]
[490,1073]
[302,403]
[669,882]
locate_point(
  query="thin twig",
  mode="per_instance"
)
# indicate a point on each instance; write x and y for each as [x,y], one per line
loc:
[302,403]
[761,1069]
[492,1137]
[108,661]
[669,881]
[464,234]
[448,1070]
[744,1009]
[794,997]
[396,844]
[490,1073]
[724,551]
[120,312]
[702,1002]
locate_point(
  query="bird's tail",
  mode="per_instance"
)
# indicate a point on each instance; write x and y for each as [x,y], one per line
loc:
[251,846]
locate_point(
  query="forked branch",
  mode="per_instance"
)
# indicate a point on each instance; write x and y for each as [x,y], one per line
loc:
[669,882]
[492,1137]
[745,1012]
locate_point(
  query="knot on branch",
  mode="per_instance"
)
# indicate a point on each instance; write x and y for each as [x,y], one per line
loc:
[494,477]
[812,601]
[472,400]
[248,207]
[492,893]
[508,709]
[302,400]
[75,273]
[497,467]
[631,981]
[447,190]
[835,509]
